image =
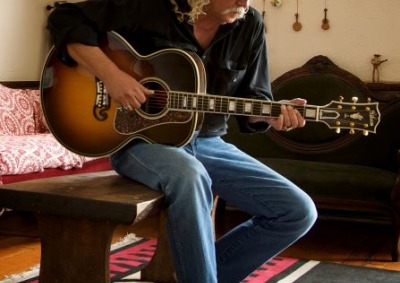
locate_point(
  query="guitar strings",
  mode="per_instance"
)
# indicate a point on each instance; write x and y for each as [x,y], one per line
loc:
[202,102]
[161,99]
[204,99]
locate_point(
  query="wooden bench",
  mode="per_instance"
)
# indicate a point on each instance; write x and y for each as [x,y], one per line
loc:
[77,216]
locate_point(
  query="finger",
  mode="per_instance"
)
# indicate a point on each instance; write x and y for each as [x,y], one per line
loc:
[131,103]
[276,123]
[299,101]
[290,117]
[135,97]
[293,118]
[301,120]
[279,125]
[285,116]
[146,91]
[128,108]
[136,103]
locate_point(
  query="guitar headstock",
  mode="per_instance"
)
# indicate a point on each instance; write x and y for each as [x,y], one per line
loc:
[353,116]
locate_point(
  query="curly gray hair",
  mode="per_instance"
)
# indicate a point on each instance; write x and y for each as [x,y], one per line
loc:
[196,9]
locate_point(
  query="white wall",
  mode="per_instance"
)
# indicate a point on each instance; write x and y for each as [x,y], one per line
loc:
[24,41]
[359,29]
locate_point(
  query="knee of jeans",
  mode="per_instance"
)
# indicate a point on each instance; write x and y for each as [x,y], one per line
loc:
[192,173]
[306,214]
[191,183]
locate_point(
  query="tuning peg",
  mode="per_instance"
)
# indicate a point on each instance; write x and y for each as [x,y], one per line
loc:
[365,133]
[341,98]
[338,130]
[351,132]
[354,99]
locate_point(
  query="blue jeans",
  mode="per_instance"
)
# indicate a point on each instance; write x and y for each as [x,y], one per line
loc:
[189,176]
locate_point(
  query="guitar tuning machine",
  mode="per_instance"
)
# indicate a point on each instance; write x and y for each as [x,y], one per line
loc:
[354,99]
[365,132]
[351,131]
[341,98]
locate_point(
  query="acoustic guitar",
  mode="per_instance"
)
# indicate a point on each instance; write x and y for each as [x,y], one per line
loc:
[84,119]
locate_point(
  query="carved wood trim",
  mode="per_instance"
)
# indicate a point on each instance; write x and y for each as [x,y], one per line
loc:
[318,65]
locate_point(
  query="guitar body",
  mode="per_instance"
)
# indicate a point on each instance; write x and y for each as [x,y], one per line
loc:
[84,119]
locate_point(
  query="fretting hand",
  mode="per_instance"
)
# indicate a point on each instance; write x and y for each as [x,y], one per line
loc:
[290,118]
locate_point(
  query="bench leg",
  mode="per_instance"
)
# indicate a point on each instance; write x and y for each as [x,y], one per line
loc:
[74,250]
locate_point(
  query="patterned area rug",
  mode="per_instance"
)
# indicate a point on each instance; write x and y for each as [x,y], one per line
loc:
[130,255]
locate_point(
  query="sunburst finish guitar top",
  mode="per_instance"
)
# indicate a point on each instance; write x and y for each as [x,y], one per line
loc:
[83,117]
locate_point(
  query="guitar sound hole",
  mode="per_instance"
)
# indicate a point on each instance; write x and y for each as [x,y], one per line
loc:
[156,103]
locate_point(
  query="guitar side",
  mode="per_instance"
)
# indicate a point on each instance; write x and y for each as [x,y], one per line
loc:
[82,117]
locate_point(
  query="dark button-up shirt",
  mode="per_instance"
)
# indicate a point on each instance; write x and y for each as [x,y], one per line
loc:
[235,61]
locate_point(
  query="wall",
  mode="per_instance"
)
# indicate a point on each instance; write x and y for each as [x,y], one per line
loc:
[359,29]
[24,41]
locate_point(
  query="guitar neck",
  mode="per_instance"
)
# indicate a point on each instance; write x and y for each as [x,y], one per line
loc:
[182,101]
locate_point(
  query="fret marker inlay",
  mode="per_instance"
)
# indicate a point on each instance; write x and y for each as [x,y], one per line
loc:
[211,104]
[232,105]
[311,113]
[247,107]
[266,109]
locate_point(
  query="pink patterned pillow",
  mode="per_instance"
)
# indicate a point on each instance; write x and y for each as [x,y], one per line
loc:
[34,153]
[38,112]
[16,112]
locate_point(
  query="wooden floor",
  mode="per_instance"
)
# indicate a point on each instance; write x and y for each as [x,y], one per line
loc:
[363,244]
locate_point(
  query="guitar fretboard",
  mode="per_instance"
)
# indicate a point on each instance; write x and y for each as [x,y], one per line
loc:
[182,101]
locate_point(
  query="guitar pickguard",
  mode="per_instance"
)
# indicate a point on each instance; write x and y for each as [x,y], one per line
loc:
[130,122]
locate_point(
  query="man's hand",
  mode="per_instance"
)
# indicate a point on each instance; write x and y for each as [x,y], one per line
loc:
[290,118]
[125,90]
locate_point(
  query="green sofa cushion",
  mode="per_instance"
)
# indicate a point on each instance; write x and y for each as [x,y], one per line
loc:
[337,181]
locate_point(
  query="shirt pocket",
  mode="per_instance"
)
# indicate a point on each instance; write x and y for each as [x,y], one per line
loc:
[233,71]
[226,77]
